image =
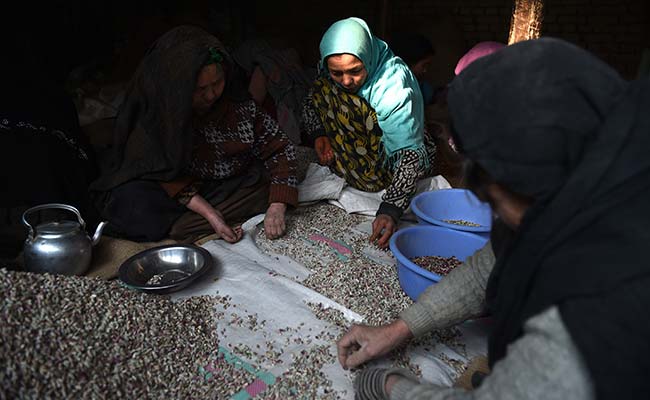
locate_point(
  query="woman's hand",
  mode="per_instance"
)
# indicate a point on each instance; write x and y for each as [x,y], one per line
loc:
[274,225]
[230,235]
[383,228]
[200,206]
[363,343]
[324,150]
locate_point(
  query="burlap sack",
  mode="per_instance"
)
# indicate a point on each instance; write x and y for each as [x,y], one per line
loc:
[110,253]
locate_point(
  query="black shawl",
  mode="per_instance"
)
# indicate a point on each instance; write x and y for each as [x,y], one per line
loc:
[44,156]
[548,120]
[152,133]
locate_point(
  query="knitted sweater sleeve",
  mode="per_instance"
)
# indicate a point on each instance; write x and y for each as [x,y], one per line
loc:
[458,296]
[277,152]
[543,363]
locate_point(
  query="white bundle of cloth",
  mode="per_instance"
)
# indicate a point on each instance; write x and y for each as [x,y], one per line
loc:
[322,184]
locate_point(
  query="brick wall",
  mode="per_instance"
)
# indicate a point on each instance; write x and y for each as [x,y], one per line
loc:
[615,30]
[478,20]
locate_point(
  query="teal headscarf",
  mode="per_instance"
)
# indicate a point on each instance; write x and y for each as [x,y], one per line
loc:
[390,89]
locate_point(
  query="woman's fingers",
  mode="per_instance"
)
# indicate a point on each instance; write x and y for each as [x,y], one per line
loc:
[383,228]
[363,343]
[228,234]
[239,232]
[274,225]
[346,346]
[352,348]
[329,154]
[357,357]
[376,230]
[274,228]
[324,150]
[385,238]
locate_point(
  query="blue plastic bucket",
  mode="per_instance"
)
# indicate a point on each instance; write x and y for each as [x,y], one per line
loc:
[428,240]
[437,206]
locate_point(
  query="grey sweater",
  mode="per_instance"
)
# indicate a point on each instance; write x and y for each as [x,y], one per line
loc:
[543,364]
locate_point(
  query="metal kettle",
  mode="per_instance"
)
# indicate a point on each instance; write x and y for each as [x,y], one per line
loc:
[59,247]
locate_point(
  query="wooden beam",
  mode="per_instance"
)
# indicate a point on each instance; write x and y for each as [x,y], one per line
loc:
[526,22]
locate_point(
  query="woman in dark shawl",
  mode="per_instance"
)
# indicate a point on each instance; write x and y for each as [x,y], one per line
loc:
[560,151]
[573,138]
[191,153]
[417,52]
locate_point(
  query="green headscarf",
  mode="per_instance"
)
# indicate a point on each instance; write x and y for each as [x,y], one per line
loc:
[391,88]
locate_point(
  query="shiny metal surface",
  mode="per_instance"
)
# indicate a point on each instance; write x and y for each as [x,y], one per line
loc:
[165,269]
[58,247]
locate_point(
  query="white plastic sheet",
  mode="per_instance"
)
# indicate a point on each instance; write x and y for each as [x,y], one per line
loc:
[253,283]
[259,286]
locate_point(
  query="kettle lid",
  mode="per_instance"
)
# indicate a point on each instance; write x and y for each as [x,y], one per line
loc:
[58,228]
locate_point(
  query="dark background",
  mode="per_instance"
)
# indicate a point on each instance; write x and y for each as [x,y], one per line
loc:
[112,35]
[82,46]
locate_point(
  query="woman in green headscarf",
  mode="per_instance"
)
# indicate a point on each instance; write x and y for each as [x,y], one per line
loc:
[366,114]
[192,154]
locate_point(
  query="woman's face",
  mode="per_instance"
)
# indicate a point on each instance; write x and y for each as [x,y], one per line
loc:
[509,206]
[348,71]
[420,68]
[209,88]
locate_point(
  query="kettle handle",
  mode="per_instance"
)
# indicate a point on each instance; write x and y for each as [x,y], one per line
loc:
[48,206]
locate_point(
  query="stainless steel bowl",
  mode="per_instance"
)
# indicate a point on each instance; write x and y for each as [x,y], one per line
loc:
[165,269]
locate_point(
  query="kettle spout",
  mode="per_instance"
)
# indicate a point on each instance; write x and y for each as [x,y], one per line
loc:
[98,232]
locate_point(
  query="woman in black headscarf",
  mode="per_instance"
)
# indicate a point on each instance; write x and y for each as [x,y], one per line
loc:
[560,151]
[191,153]
[417,52]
